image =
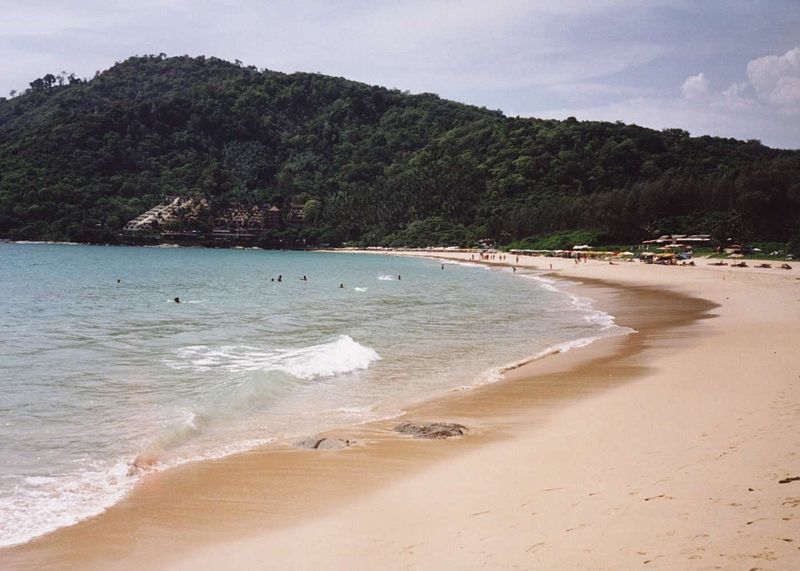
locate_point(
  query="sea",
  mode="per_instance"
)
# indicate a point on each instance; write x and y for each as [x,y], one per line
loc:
[100,368]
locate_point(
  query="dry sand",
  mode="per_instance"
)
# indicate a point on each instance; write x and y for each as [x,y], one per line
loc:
[661,449]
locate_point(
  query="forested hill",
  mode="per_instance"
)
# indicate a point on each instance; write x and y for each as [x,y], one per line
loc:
[80,158]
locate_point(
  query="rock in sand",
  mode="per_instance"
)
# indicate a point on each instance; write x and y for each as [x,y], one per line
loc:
[432,430]
[317,443]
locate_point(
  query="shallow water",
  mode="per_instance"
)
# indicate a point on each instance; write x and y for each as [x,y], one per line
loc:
[97,372]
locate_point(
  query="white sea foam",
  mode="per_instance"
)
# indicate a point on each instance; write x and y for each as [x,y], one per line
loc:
[360,414]
[361,289]
[342,355]
[386,278]
[220,451]
[496,374]
[593,316]
[48,242]
[544,283]
[466,264]
[585,305]
[42,504]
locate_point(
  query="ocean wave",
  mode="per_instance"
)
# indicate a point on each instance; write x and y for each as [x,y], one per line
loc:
[185,424]
[342,355]
[44,503]
[585,305]
[605,322]
[41,504]
[497,374]
[562,347]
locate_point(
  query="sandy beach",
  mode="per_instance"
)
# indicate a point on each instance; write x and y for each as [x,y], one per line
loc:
[666,449]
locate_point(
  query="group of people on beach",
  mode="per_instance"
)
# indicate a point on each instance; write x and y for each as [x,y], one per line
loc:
[490,257]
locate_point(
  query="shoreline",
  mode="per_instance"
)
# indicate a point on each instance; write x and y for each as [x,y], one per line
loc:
[496,373]
[506,410]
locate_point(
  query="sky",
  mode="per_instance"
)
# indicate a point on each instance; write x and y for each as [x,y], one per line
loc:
[729,68]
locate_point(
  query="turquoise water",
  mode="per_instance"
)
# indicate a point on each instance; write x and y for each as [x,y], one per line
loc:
[97,372]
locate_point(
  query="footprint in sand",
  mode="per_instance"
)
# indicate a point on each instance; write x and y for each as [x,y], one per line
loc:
[792,502]
[658,497]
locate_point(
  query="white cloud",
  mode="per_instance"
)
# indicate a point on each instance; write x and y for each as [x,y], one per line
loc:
[697,118]
[756,108]
[776,79]
[695,87]
[609,59]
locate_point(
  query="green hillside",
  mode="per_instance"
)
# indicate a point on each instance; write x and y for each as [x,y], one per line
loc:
[79,158]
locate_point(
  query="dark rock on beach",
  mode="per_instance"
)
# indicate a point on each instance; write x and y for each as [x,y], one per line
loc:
[318,443]
[432,430]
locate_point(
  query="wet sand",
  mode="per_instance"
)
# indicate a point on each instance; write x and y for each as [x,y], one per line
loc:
[631,451]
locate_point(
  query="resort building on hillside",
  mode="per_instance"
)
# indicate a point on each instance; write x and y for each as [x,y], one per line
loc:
[174,208]
[273,217]
[190,218]
[295,214]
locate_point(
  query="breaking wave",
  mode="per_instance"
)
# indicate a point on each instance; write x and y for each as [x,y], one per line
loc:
[342,355]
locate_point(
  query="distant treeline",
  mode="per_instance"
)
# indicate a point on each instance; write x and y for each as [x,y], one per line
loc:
[79,158]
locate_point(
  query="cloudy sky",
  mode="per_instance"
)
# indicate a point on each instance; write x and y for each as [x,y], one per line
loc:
[719,67]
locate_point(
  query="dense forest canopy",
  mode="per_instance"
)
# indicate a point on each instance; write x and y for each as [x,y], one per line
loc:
[79,158]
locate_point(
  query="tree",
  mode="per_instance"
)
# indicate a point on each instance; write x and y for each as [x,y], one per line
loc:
[311,211]
[379,165]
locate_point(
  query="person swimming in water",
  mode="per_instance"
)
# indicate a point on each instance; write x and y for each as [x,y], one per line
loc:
[280,278]
[305,279]
[177,300]
[341,286]
[398,277]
